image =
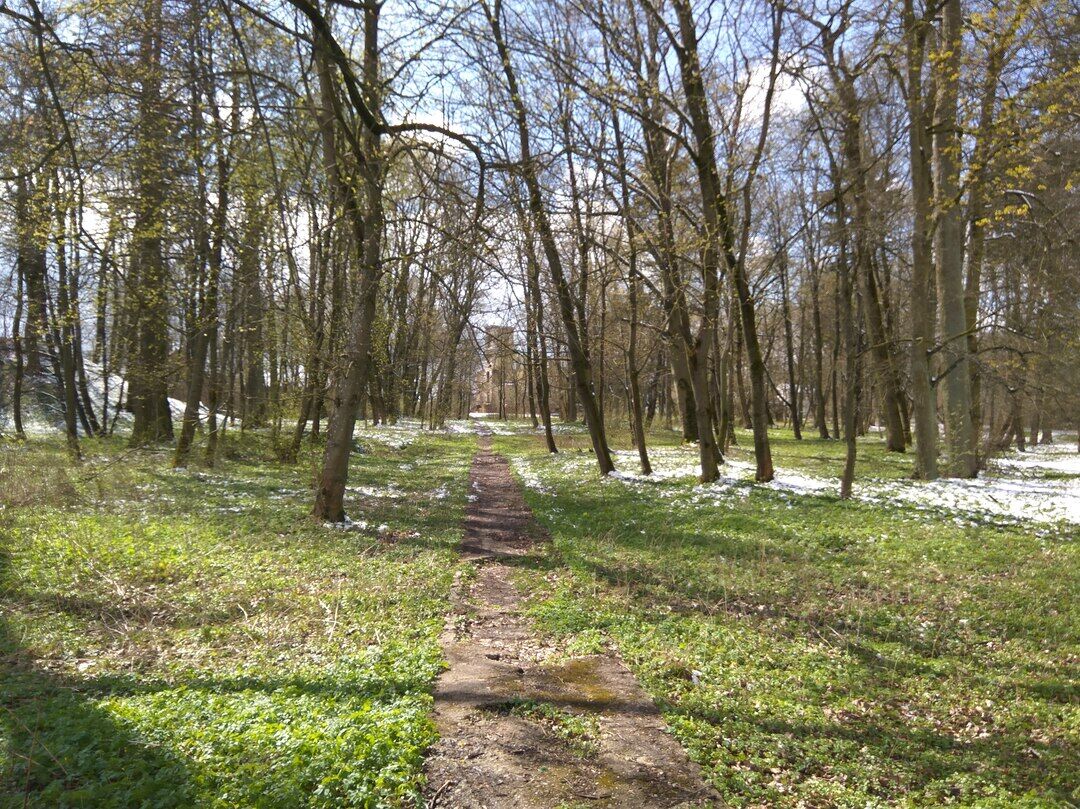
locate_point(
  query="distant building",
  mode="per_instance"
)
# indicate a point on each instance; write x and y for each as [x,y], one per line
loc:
[497,382]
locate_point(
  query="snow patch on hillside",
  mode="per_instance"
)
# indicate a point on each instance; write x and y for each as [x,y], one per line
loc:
[1041,486]
[47,418]
[394,436]
[1060,458]
[529,478]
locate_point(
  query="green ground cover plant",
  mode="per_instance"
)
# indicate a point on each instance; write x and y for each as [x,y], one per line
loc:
[194,638]
[814,652]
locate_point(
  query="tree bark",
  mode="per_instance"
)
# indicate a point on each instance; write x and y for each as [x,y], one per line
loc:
[789,348]
[719,245]
[864,269]
[923,395]
[637,419]
[207,333]
[949,249]
[368,232]
[578,356]
[148,286]
[543,386]
[65,333]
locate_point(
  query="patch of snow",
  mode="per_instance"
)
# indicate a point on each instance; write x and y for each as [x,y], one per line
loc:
[788,480]
[37,422]
[1016,499]
[529,478]
[460,427]
[347,525]
[33,424]
[388,492]
[1060,458]
[394,436]
[1013,490]
[566,428]
[668,463]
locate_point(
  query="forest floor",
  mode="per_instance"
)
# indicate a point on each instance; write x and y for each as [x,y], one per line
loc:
[814,652]
[193,638]
[521,725]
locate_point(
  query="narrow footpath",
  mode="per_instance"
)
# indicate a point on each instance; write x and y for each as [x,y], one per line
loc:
[518,730]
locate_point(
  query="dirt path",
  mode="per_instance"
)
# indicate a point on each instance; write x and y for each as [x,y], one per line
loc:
[516,731]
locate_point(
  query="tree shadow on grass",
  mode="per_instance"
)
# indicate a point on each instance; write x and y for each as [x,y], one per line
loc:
[1009,762]
[61,748]
[878,660]
[64,749]
[269,738]
[672,578]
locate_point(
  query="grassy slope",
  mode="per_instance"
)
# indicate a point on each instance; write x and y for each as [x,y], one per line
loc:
[193,638]
[820,653]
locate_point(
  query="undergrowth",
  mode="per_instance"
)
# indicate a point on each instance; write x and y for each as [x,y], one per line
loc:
[194,638]
[814,652]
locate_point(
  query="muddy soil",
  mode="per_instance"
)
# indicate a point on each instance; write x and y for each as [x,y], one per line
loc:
[520,728]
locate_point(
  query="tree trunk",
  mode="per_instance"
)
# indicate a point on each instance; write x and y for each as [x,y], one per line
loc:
[31,259]
[148,287]
[657,162]
[368,232]
[66,341]
[976,224]
[543,386]
[213,401]
[206,336]
[864,268]
[789,348]
[578,356]
[637,418]
[252,312]
[17,344]
[924,397]
[719,245]
[313,370]
[851,372]
[949,249]
[819,351]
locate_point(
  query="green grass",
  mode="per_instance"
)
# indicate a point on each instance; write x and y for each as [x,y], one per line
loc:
[579,731]
[812,652]
[194,638]
[810,455]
